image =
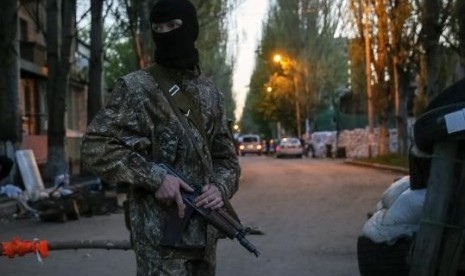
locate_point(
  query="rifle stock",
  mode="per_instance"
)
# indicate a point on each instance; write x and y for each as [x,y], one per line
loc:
[219,218]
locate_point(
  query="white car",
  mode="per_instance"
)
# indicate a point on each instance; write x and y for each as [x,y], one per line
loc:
[289,147]
[250,143]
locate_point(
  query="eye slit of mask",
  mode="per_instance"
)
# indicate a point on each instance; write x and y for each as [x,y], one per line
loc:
[168,26]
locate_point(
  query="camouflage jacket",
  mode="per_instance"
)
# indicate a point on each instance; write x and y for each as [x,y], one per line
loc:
[138,129]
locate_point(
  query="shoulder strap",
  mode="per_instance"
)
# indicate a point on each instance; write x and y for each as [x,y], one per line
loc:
[179,101]
[178,98]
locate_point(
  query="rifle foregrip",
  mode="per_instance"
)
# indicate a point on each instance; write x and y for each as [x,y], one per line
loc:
[248,245]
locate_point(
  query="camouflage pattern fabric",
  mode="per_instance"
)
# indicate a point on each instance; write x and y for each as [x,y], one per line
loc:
[136,130]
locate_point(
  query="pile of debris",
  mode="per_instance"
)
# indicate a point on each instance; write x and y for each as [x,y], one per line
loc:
[63,201]
[67,199]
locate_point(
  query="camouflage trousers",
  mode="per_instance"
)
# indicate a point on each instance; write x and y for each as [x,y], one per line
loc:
[176,262]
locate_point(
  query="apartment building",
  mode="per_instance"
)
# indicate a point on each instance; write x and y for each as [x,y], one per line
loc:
[33,87]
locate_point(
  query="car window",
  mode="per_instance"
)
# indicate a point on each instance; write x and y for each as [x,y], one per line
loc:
[249,139]
[290,141]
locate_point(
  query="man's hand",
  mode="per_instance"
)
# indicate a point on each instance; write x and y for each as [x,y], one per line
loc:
[170,190]
[210,198]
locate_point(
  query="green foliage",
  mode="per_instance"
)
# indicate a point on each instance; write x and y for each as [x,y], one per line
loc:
[212,48]
[120,60]
[316,64]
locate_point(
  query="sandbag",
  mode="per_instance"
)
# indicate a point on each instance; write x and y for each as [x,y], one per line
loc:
[400,220]
[393,192]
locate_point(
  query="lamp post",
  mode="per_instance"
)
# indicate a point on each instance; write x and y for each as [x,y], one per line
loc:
[292,67]
[268,90]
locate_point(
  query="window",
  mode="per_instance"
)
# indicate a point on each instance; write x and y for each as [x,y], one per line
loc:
[24,30]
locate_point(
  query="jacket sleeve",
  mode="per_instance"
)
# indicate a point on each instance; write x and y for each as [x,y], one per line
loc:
[225,162]
[116,145]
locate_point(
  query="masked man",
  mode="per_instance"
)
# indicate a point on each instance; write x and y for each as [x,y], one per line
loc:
[142,126]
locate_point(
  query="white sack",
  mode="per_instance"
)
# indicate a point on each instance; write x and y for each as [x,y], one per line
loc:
[400,220]
[394,191]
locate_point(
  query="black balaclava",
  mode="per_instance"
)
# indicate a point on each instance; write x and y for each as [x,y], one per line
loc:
[176,48]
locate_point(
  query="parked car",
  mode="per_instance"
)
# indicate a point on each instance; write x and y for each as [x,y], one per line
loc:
[289,147]
[250,143]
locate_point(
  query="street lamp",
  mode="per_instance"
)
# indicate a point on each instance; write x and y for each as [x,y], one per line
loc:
[289,67]
[277,58]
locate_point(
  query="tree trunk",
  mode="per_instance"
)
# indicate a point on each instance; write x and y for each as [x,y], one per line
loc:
[459,8]
[9,73]
[133,17]
[402,119]
[430,40]
[383,136]
[60,28]
[381,65]
[147,45]
[10,127]
[95,92]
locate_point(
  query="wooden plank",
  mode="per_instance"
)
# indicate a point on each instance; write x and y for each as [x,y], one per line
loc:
[29,171]
[454,238]
[437,202]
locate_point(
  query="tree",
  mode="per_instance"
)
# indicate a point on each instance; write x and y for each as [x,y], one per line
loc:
[10,131]
[403,50]
[137,12]
[455,36]
[304,31]
[393,38]
[120,60]
[434,14]
[95,90]
[215,61]
[60,40]
[212,17]
[460,23]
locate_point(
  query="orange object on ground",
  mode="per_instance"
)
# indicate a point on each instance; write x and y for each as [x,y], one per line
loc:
[21,248]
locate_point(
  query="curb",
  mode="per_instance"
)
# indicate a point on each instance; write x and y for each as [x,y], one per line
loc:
[377,166]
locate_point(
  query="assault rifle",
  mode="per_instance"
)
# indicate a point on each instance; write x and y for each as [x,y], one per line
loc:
[219,218]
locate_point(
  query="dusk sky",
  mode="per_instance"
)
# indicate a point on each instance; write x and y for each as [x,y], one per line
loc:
[246,27]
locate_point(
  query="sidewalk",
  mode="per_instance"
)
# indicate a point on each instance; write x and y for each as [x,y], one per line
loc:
[377,166]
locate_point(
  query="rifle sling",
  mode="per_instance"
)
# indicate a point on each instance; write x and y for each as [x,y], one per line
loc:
[179,100]
[169,87]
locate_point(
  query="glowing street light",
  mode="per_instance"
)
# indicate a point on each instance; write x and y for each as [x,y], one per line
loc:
[269,89]
[277,58]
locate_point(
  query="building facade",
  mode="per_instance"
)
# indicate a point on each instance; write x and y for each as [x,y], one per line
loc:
[33,87]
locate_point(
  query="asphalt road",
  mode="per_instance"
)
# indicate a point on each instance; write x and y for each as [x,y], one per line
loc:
[311,211]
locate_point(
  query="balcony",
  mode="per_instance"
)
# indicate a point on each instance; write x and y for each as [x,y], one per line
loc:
[33,52]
